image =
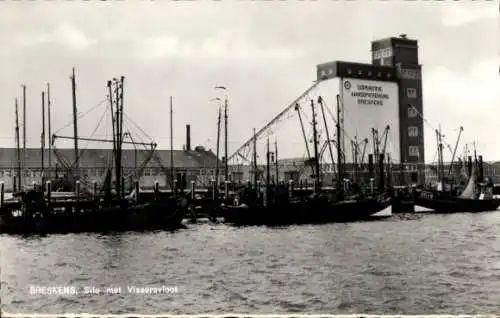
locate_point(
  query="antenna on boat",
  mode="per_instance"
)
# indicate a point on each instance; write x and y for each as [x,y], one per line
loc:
[113,119]
[173,188]
[18,148]
[315,140]
[255,158]
[42,139]
[75,124]
[320,102]
[50,132]
[218,147]
[455,150]
[24,127]
[339,151]
[297,108]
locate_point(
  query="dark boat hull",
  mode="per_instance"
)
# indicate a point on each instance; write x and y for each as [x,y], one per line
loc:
[131,217]
[314,211]
[454,205]
[355,210]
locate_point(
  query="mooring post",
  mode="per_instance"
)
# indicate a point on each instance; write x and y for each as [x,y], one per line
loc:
[212,187]
[258,190]
[77,191]
[290,188]
[175,187]
[193,189]
[49,192]
[157,190]
[122,187]
[136,191]
[94,189]
[226,188]
[2,193]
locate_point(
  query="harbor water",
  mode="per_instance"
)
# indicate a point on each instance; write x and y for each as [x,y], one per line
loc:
[406,264]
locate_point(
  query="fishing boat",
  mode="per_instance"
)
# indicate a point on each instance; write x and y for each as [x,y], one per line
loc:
[474,198]
[276,205]
[39,210]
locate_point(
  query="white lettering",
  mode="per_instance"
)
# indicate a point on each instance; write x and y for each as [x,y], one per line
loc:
[152,290]
[53,290]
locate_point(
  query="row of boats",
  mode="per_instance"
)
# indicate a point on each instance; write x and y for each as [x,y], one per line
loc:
[39,210]
[87,208]
[35,210]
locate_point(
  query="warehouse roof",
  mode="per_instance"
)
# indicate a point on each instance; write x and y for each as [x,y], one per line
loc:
[199,157]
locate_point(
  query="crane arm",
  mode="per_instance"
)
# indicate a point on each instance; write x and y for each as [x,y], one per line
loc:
[455,150]
[385,135]
[375,142]
[287,110]
[365,143]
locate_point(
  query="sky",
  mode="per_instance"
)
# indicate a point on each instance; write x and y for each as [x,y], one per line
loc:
[264,52]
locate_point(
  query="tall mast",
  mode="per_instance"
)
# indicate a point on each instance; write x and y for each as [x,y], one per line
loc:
[50,131]
[172,145]
[42,140]
[24,126]
[297,108]
[113,119]
[226,168]
[355,150]
[218,147]
[255,158]
[120,179]
[276,160]
[315,139]
[475,157]
[320,102]
[118,138]
[18,149]
[339,152]
[440,155]
[75,124]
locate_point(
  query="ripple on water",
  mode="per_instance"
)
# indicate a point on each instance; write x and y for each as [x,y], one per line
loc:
[409,264]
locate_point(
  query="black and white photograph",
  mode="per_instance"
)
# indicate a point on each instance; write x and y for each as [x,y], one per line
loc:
[245,158]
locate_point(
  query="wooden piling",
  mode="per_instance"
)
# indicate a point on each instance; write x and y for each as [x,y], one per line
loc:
[258,190]
[2,193]
[226,188]
[136,184]
[77,191]
[94,189]
[157,190]
[49,192]
[193,189]
[213,189]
